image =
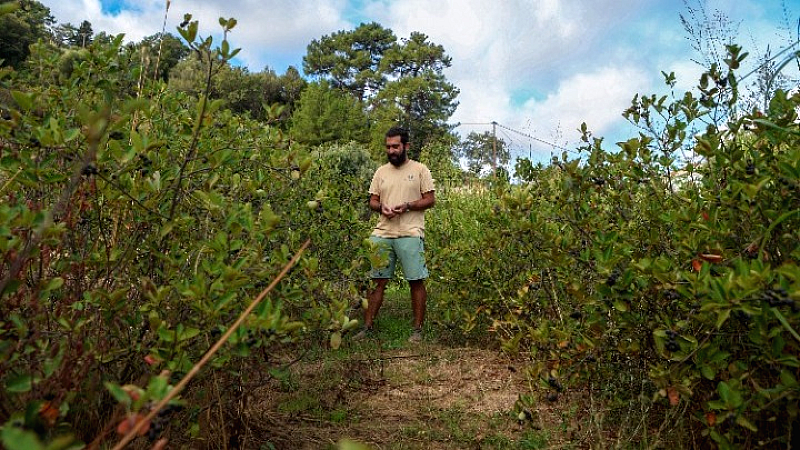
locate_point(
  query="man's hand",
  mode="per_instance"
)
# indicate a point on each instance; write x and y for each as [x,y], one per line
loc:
[388,211]
[400,209]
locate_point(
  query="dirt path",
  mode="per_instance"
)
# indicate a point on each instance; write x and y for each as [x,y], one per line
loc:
[428,396]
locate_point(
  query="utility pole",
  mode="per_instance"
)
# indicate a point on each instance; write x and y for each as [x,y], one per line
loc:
[494,148]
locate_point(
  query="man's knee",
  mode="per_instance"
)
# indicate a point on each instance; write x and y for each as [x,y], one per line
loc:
[416,283]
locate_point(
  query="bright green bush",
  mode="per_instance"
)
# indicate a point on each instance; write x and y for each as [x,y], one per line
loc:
[137,223]
[648,275]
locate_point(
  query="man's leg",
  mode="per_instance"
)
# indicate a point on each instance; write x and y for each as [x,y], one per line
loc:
[419,299]
[411,253]
[383,265]
[375,301]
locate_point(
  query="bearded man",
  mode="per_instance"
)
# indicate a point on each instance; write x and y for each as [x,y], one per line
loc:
[401,191]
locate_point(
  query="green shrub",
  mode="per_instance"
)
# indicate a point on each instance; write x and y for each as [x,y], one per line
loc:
[649,275]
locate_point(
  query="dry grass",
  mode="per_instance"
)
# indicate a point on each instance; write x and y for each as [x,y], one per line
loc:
[427,396]
[397,399]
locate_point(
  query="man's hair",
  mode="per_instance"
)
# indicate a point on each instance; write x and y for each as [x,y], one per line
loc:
[398,131]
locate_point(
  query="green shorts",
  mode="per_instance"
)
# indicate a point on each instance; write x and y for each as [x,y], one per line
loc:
[409,250]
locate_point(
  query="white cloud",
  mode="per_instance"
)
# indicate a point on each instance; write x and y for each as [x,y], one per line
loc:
[145,20]
[264,28]
[597,98]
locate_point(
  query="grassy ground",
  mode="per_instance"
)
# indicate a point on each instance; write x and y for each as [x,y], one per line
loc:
[389,394]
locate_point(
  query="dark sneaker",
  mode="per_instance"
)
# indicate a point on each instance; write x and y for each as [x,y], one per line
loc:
[416,336]
[365,333]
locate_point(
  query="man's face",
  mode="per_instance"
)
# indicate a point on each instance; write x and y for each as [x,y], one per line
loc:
[396,151]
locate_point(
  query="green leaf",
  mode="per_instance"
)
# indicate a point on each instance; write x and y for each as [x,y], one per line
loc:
[18,439]
[51,365]
[224,300]
[118,393]
[720,439]
[20,383]
[336,340]
[128,155]
[165,334]
[53,284]
[788,380]
[72,134]
[731,397]
[785,323]
[65,442]
[621,305]
[746,423]
[25,101]
[12,286]
[191,32]
[166,229]
[722,316]
[708,372]
[188,333]
[769,124]
[158,387]
[724,391]
[136,141]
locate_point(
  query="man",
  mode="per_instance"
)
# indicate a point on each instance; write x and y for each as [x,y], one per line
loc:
[401,191]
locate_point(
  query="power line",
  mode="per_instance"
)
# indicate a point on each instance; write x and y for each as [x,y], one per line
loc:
[534,138]
[519,133]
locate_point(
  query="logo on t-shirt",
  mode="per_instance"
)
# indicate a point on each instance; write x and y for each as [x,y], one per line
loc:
[410,177]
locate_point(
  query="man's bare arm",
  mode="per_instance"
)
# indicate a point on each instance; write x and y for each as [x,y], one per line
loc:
[427,201]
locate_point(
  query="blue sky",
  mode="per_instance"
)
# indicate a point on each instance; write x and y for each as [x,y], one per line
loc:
[540,67]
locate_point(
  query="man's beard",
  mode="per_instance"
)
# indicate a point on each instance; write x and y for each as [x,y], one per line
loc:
[398,160]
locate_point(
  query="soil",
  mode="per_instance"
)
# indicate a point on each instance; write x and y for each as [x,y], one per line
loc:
[426,396]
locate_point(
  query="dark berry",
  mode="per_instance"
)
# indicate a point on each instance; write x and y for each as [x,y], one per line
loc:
[672,346]
[152,434]
[555,384]
[552,397]
[89,170]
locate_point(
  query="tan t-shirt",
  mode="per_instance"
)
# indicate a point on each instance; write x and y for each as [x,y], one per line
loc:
[396,186]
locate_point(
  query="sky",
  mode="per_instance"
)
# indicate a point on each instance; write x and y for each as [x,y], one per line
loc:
[539,68]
